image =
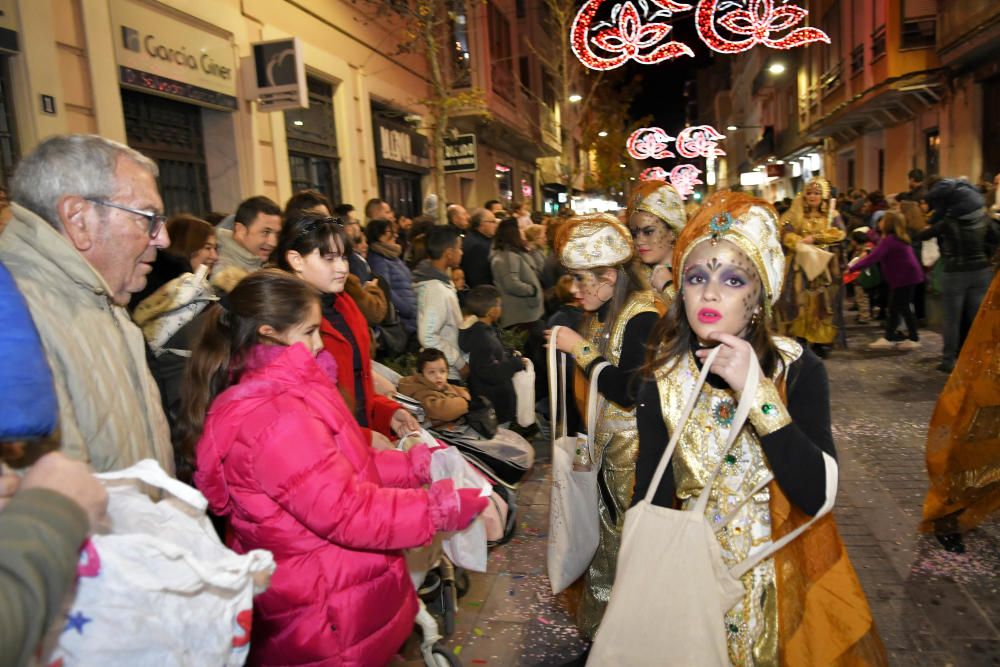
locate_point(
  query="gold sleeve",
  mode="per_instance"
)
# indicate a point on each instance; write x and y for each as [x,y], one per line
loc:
[830,235]
[585,353]
[768,413]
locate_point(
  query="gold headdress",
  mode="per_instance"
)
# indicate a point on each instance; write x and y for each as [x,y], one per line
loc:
[820,183]
[660,199]
[593,241]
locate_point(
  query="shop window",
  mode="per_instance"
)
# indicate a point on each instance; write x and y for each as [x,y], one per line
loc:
[170,133]
[313,158]
[850,172]
[505,184]
[8,136]
[932,151]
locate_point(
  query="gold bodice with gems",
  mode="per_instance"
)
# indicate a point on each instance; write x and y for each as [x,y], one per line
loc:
[751,625]
[813,224]
[613,418]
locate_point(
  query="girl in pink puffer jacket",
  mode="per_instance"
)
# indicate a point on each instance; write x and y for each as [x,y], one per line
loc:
[280,455]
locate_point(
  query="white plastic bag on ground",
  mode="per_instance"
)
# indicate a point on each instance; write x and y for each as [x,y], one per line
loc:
[157,586]
[524,390]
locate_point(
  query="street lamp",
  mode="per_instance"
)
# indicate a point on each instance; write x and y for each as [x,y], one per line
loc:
[574,98]
[602,133]
[776,68]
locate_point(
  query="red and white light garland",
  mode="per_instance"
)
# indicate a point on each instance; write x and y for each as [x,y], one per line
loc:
[684,177]
[654,174]
[630,35]
[649,143]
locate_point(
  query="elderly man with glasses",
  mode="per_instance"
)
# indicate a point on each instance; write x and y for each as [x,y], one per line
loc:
[86,222]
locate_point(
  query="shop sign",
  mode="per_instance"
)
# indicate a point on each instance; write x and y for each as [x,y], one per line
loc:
[162,54]
[460,154]
[397,146]
[775,170]
[280,75]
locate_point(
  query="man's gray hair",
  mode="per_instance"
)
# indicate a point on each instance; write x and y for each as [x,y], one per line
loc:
[476,218]
[70,164]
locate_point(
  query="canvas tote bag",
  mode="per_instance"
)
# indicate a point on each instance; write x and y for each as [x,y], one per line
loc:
[574,531]
[672,588]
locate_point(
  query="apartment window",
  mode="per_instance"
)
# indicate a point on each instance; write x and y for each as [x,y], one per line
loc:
[881,170]
[878,31]
[500,53]
[932,151]
[857,59]
[519,8]
[919,29]
[525,73]
[461,65]
[832,65]
[850,172]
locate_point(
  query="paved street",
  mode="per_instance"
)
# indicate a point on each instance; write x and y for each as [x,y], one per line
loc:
[932,607]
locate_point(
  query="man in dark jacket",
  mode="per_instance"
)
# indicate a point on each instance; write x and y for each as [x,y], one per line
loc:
[967,239]
[478,242]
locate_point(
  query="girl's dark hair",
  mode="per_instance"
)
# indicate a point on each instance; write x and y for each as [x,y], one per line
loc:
[375,229]
[508,236]
[631,279]
[671,338]
[270,297]
[306,234]
[188,235]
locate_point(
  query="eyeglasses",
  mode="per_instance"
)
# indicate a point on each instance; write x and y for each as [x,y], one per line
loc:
[155,220]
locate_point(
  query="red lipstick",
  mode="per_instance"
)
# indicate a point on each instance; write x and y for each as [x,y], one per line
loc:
[709,316]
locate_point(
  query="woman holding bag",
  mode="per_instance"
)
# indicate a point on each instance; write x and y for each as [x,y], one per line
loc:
[621,311]
[752,472]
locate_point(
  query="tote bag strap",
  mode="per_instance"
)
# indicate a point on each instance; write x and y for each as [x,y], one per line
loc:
[557,387]
[676,435]
[593,399]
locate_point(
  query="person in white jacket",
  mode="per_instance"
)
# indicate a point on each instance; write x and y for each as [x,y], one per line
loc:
[438,313]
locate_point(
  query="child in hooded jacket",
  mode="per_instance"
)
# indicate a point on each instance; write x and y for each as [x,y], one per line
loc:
[278,453]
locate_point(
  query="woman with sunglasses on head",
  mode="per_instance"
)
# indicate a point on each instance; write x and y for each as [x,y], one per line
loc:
[316,249]
[803,604]
[620,311]
[655,217]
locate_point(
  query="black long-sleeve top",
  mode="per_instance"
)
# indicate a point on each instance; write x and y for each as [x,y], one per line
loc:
[619,384]
[794,452]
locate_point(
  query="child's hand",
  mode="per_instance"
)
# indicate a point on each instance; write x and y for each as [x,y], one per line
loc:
[380,443]
[403,422]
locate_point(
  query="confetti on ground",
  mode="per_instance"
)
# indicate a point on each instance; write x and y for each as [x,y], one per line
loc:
[457,650]
[545,620]
[479,632]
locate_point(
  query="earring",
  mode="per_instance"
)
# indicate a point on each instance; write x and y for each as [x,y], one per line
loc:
[603,299]
[755,318]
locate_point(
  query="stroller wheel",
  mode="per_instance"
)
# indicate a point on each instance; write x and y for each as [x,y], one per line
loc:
[443,658]
[448,606]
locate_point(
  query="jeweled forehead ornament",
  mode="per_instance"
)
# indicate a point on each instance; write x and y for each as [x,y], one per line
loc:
[719,225]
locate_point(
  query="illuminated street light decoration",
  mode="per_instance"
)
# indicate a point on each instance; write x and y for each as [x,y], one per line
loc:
[758,22]
[604,46]
[654,174]
[649,143]
[699,141]
[684,177]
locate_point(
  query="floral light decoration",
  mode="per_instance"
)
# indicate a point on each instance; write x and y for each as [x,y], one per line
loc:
[649,143]
[699,141]
[654,174]
[758,20]
[631,35]
[684,177]
[604,46]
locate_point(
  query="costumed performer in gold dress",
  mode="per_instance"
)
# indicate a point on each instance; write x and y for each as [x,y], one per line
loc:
[963,440]
[620,311]
[655,217]
[803,605]
[810,308]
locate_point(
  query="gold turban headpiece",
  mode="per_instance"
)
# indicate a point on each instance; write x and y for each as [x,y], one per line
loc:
[660,199]
[818,183]
[593,241]
[749,223]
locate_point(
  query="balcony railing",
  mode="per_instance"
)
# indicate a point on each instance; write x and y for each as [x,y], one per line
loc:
[919,33]
[878,43]
[857,59]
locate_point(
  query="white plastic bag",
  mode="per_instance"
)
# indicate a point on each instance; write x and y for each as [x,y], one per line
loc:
[156,585]
[930,253]
[465,548]
[524,391]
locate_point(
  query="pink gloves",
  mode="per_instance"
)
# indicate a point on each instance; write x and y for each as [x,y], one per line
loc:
[452,510]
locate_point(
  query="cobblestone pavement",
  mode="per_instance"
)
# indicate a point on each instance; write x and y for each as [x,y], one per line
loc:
[932,607]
